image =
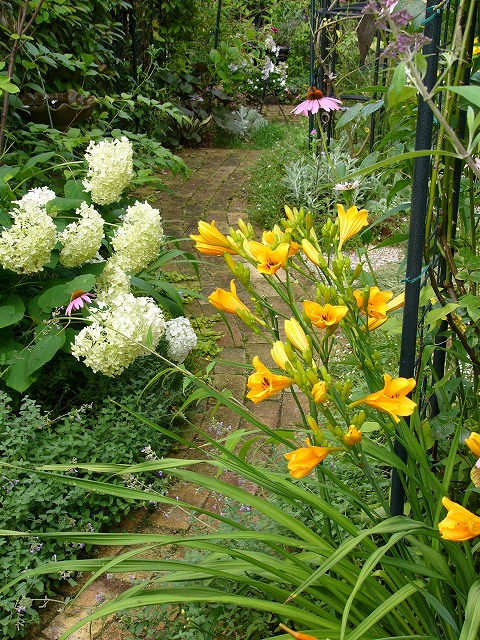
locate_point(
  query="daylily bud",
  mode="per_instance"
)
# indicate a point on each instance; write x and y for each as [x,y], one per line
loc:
[357,271]
[338,264]
[243,274]
[319,392]
[313,424]
[311,376]
[231,264]
[347,387]
[308,221]
[325,375]
[353,436]
[308,357]
[246,229]
[319,289]
[338,432]
[298,377]
[359,418]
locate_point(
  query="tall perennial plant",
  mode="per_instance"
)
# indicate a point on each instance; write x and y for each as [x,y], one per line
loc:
[321,569]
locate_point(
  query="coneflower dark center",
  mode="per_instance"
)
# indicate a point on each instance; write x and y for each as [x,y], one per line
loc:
[314,94]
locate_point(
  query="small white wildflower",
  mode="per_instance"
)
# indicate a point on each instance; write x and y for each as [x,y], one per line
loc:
[82,239]
[110,169]
[181,338]
[26,247]
[138,241]
[118,334]
[271,45]
[268,68]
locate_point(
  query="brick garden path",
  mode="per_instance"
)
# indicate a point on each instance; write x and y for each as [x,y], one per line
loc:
[215,190]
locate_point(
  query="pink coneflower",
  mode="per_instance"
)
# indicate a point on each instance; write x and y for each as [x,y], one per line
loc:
[315,101]
[77,300]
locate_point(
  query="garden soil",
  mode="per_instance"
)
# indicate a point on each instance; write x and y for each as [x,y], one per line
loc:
[216,190]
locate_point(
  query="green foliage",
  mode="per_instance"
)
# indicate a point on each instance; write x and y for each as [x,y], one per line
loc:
[68,55]
[30,334]
[93,428]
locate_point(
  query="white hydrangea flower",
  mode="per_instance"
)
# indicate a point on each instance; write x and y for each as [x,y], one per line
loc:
[26,247]
[82,238]
[34,199]
[112,283]
[110,169]
[118,334]
[138,241]
[181,338]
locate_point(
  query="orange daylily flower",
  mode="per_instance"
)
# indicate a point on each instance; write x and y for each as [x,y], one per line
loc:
[324,317]
[353,436]
[263,383]
[268,260]
[227,301]
[211,241]
[377,302]
[305,459]
[395,303]
[296,335]
[350,222]
[297,634]
[473,443]
[392,399]
[460,524]
[278,236]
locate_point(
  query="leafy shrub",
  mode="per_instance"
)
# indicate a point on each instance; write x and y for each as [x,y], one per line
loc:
[246,122]
[99,430]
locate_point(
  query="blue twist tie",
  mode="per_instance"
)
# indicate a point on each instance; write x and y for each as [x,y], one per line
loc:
[420,275]
[438,8]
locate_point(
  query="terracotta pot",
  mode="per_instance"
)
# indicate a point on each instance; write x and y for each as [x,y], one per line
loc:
[61,109]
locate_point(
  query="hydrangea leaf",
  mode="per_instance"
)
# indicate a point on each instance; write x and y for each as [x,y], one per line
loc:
[11,310]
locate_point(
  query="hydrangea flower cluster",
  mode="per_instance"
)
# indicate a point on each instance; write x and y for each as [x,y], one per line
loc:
[138,241]
[35,198]
[118,333]
[110,169]
[112,283]
[82,239]
[181,338]
[27,245]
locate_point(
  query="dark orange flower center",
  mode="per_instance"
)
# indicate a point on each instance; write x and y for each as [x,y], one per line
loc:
[266,383]
[314,94]
[76,294]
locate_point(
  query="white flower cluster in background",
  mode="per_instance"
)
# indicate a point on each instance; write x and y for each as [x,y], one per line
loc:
[82,239]
[181,338]
[118,334]
[138,241]
[271,45]
[26,246]
[110,169]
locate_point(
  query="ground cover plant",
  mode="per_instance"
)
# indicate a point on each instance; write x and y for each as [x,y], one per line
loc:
[92,426]
[338,558]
